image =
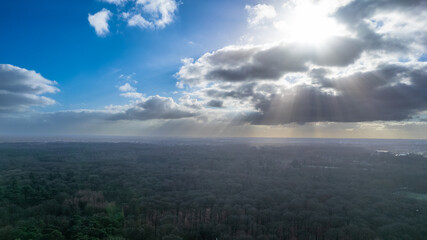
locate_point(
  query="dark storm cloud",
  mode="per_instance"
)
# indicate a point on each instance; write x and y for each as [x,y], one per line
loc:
[239,92]
[155,107]
[377,95]
[215,103]
[269,63]
[21,88]
[236,64]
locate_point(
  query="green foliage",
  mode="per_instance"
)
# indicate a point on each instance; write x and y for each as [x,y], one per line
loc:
[54,235]
[171,237]
[169,192]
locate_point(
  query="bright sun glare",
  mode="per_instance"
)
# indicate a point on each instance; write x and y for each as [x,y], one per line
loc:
[310,23]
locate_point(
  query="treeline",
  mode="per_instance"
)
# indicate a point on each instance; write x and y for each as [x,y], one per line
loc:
[235,191]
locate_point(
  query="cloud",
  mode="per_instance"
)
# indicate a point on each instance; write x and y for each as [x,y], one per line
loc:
[365,81]
[130,92]
[215,103]
[259,13]
[127,88]
[357,11]
[379,95]
[354,77]
[189,102]
[155,107]
[100,22]
[135,95]
[139,21]
[115,2]
[266,62]
[368,19]
[86,122]
[162,11]
[152,14]
[390,92]
[144,116]
[21,88]
[70,122]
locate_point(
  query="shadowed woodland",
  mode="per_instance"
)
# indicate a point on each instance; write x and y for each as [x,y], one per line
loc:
[209,191]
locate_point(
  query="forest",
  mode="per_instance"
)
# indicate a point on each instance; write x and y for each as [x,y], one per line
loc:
[191,191]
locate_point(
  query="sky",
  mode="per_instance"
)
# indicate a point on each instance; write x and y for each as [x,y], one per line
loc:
[188,68]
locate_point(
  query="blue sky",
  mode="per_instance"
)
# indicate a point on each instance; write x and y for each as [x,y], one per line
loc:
[55,39]
[214,68]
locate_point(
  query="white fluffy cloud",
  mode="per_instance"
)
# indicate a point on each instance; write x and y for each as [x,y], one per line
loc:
[128,91]
[151,14]
[139,21]
[259,13]
[116,2]
[21,88]
[127,88]
[161,12]
[135,95]
[99,21]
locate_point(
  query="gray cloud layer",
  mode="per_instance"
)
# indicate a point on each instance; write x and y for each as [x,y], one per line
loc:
[370,96]
[355,14]
[215,103]
[234,64]
[21,88]
[155,107]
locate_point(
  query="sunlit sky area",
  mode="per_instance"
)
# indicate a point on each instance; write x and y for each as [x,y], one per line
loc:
[191,68]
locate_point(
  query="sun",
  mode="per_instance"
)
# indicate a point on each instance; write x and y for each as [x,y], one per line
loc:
[310,23]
